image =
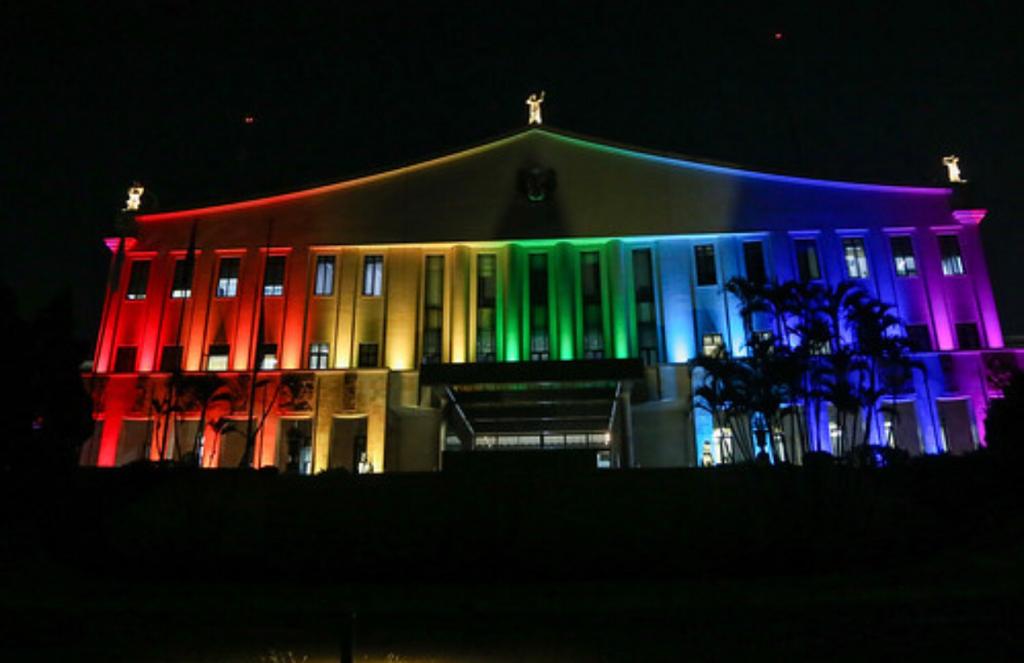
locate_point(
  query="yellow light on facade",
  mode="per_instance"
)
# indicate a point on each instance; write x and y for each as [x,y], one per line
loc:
[135,192]
[534,102]
[953,168]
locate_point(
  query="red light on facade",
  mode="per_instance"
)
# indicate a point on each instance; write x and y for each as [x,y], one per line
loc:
[778,36]
[249,119]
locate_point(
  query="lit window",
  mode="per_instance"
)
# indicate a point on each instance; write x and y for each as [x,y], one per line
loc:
[170,359]
[138,280]
[273,279]
[593,319]
[486,297]
[124,360]
[540,346]
[952,261]
[713,345]
[217,359]
[919,337]
[820,348]
[181,284]
[373,276]
[723,444]
[835,436]
[433,309]
[367,355]
[268,357]
[967,337]
[318,355]
[704,254]
[807,260]
[646,316]
[227,279]
[903,260]
[753,261]
[324,284]
[855,257]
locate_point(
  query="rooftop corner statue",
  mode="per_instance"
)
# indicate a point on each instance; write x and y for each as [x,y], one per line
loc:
[952,164]
[134,201]
[534,102]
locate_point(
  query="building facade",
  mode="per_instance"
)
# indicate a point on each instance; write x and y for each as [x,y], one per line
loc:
[543,291]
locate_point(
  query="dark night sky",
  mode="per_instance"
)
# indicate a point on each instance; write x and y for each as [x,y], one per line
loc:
[95,98]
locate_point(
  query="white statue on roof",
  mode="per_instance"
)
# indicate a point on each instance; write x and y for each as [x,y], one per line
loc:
[134,201]
[953,168]
[534,102]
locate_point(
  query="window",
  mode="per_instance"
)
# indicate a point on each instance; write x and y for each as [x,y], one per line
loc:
[486,299]
[318,355]
[367,355]
[373,276]
[593,318]
[704,254]
[952,262]
[919,338]
[227,280]
[323,286]
[273,278]
[433,309]
[138,280]
[124,360]
[712,345]
[170,359]
[217,359]
[646,317]
[855,257]
[967,337]
[181,284]
[267,357]
[807,260]
[903,260]
[723,444]
[753,260]
[540,345]
[819,348]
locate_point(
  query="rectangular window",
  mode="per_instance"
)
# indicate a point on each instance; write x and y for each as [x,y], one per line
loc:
[807,260]
[227,279]
[540,344]
[124,360]
[433,309]
[267,357]
[273,278]
[318,355]
[855,257]
[903,260]
[486,302]
[753,260]
[323,285]
[952,261]
[919,338]
[593,319]
[373,276]
[170,359]
[646,316]
[967,337]
[704,254]
[712,345]
[217,359]
[138,280]
[181,284]
[367,355]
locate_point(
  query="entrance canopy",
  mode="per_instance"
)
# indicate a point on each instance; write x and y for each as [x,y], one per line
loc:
[548,404]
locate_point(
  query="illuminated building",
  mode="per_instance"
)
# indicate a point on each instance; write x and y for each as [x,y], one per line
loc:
[541,291]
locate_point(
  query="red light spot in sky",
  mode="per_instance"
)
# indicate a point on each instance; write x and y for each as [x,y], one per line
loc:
[249,119]
[778,36]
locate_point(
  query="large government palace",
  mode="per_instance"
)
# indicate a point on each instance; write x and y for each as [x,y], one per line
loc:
[543,293]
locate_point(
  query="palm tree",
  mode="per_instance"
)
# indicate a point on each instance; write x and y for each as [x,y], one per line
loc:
[202,391]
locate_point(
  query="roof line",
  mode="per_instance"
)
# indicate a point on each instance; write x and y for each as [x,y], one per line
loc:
[733,169]
[561,134]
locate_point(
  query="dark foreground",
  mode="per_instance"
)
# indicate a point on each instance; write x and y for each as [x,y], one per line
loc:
[921,561]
